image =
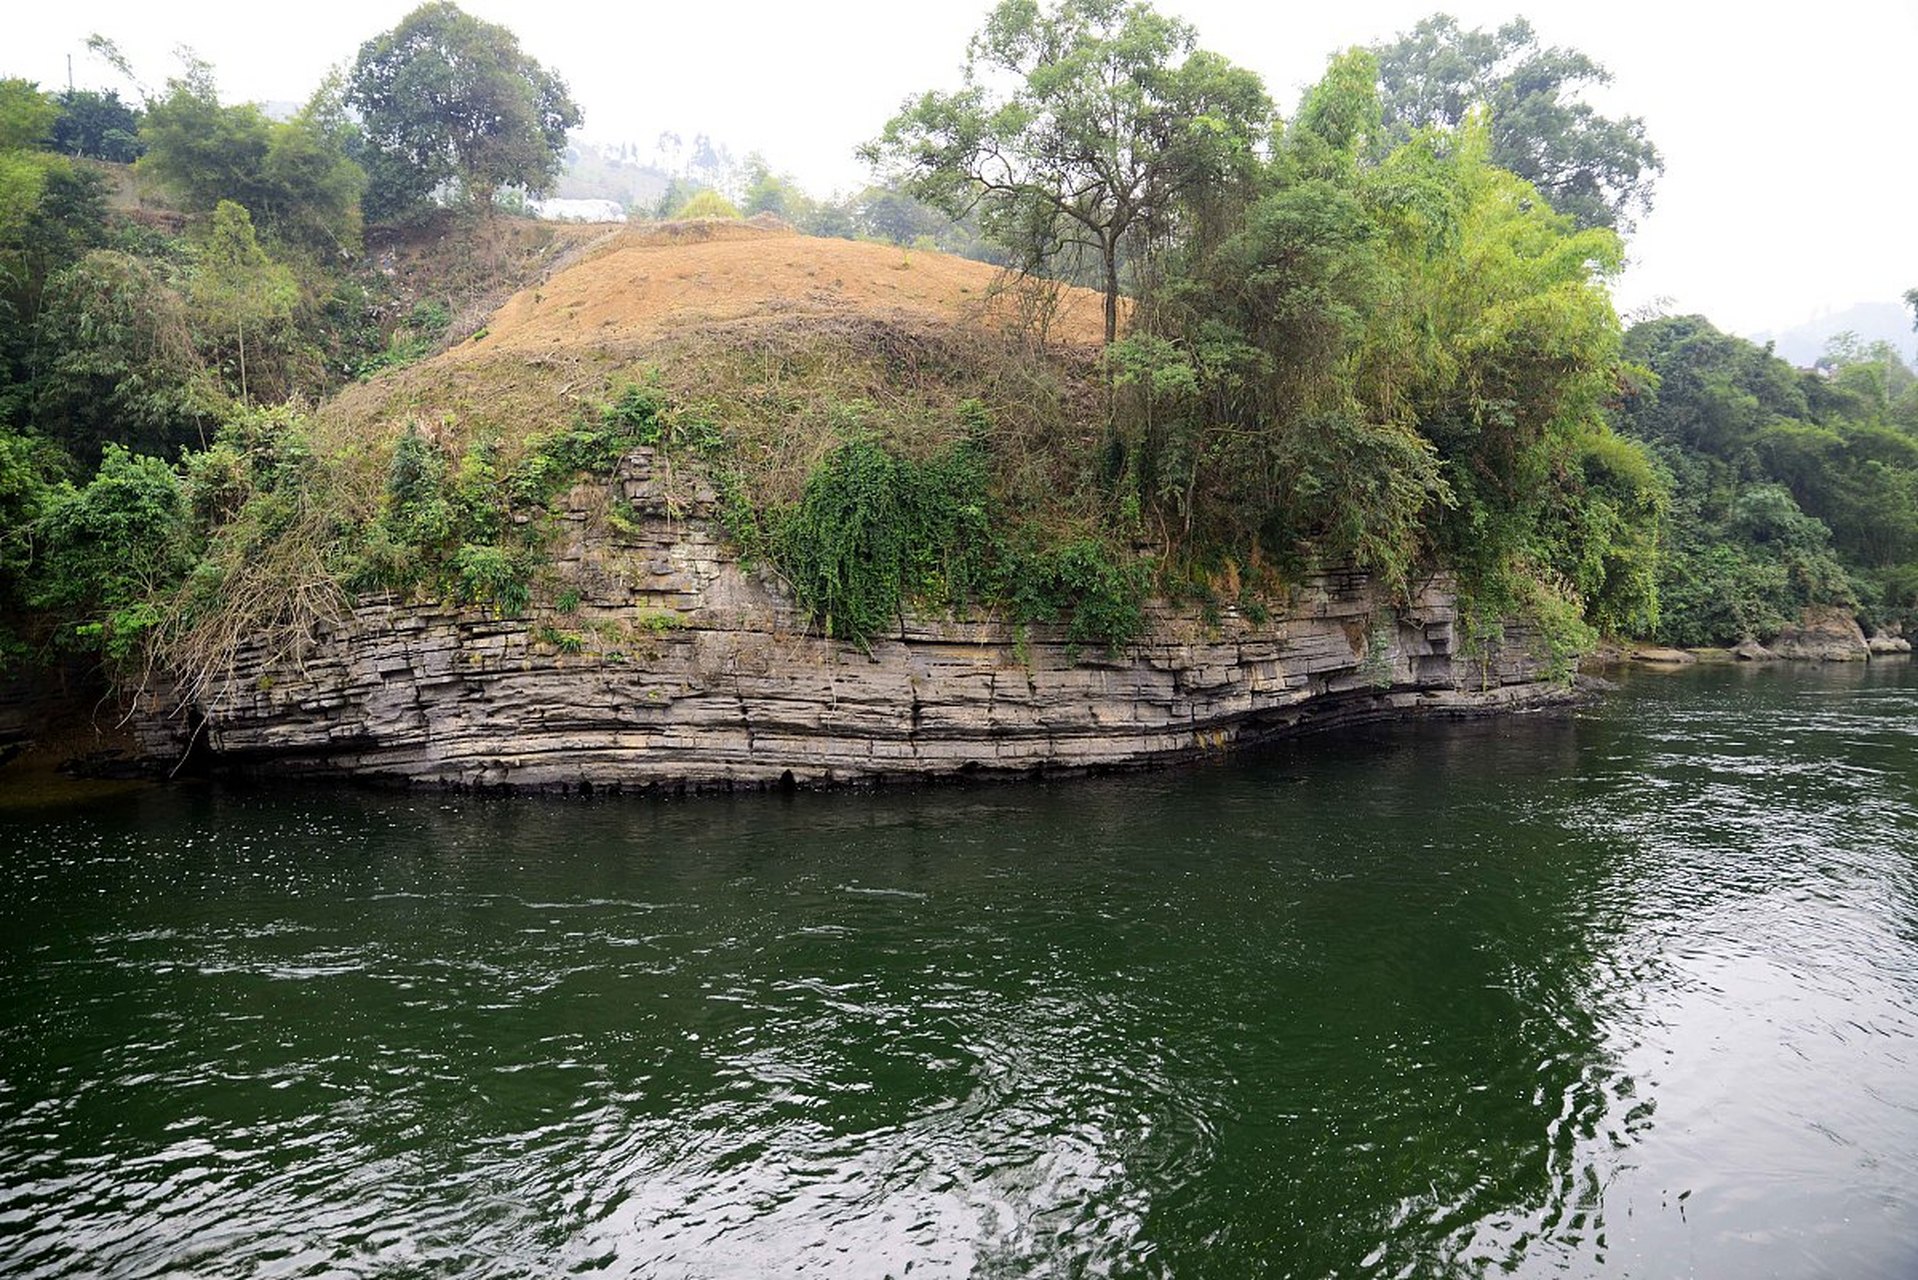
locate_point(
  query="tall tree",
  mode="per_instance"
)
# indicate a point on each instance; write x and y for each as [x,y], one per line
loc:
[200,150]
[446,97]
[98,125]
[1597,169]
[237,285]
[26,117]
[296,175]
[1110,120]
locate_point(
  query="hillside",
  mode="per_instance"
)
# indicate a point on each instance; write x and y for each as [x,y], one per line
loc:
[1803,344]
[786,344]
[659,280]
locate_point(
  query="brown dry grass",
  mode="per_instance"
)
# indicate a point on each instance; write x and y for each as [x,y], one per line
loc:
[658,279]
[477,263]
[786,341]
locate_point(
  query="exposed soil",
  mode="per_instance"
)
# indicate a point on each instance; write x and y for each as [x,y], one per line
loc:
[656,279]
[476,263]
[773,332]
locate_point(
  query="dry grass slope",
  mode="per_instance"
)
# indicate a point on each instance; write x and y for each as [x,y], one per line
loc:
[785,341]
[652,281]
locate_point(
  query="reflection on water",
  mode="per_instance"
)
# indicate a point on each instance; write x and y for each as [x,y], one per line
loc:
[1629,992]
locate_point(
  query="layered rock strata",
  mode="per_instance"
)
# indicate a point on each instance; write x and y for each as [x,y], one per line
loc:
[680,667]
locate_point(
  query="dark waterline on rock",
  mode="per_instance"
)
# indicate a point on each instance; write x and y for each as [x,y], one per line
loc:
[1627,991]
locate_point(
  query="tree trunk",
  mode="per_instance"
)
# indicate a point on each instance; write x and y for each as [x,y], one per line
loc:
[242,326]
[1112,291]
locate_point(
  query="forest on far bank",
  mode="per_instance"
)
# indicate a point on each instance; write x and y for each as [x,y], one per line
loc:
[1372,327]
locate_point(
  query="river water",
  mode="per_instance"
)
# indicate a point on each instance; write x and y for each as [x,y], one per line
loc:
[1631,991]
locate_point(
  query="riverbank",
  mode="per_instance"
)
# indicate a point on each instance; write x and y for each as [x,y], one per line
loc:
[1822,635]
[682,666]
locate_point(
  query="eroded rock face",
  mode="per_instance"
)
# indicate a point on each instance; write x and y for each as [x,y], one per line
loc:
[683,668]
[1823,634]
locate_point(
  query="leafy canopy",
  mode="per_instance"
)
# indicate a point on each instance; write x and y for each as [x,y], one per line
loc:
[97,125]
[1597,169]
[1083,131]
[26,118]
[1396,357]
[296,176]
[447,98]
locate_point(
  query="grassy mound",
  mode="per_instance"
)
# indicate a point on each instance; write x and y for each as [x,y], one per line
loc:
[886,427]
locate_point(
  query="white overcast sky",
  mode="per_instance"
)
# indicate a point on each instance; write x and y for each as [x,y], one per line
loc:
[1789,190]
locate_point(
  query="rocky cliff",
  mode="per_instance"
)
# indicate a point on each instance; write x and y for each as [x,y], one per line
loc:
[679,667]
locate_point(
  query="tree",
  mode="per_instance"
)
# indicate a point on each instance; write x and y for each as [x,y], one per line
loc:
[706,203]
[774,193]
[25,467]
[50,212]
[200,150]
[26,118]
[310,187]
[237,285]
[1111,120]
[97,125]
[446,97]
[108,549]
[117,360]
[69,219]
[1598,170]
[295,174]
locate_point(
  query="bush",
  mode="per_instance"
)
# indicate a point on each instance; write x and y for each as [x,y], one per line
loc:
[425,328]
[1100,598]
[109,550]
[868,529]
[873,531]
[493,576]
[706,204]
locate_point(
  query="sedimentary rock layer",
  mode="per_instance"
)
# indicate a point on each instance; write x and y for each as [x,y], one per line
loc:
[681,667]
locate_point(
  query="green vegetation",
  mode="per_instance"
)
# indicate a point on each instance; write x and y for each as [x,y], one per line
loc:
[98,126]
[1598,170]
[447,98]
[873,532]
[706,204]
[1376,332]
[296,177]
[1790,487]
[1372,344]
[1115,118]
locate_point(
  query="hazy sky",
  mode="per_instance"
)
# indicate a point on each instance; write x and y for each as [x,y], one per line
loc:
[1789,189]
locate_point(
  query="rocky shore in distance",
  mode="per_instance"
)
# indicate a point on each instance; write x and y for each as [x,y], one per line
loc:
[1821,634]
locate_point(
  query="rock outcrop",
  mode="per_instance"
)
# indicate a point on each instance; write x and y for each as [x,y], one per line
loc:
[1663,657]
[682,668]
[1888,642]
[1823,634]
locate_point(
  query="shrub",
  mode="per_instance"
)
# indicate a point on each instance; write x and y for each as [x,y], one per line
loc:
[871,530]
[492,576]
[109,549]
[706,204]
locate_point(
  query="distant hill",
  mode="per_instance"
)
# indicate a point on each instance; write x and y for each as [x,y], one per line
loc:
[607,173]
[1873,321]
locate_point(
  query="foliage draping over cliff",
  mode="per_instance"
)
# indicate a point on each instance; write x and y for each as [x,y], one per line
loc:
[1351,333]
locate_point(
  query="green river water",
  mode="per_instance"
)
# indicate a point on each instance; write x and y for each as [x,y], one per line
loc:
[1628,991]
